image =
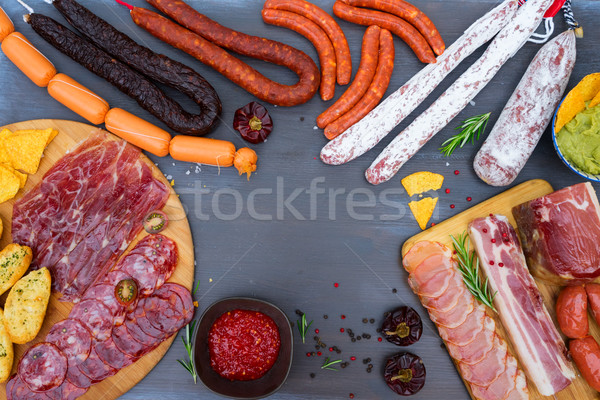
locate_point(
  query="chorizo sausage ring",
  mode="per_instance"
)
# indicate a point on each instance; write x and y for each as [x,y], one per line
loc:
[150,64]
[133,84]
[205,39]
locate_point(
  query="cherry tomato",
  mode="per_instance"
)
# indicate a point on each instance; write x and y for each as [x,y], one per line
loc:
[593,294]
[571,311]
[586,354]
[126,292]
[155,222]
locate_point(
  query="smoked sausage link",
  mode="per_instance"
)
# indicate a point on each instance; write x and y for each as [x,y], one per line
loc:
[78,98]
[409,13]
[571,312]
[586,354]
[133,84]
[593,294]
[408,33]
[328,24]
[366,71]
[233,68]
[150,64]
[28,59]
[6,25]
[138,132]
[375,92]
[317,37]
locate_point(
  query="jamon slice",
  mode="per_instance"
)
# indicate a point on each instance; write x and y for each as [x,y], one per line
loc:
[487,370]
[520,306]
[468,330]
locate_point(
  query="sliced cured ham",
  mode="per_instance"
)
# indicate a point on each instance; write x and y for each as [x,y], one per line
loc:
[86,211]
[470,335]
[520,306]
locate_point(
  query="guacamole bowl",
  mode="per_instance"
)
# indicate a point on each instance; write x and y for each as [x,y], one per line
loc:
[571,166]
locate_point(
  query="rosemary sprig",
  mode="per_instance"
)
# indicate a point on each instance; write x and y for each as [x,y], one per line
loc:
[303,327]
[468,265]
[187,342]
[329,364]
[471,129]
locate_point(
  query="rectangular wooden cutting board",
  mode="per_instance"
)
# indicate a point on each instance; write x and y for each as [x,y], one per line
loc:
[503,204]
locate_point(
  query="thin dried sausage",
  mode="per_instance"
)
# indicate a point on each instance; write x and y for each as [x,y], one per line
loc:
[317,37]
[366,71]
[409,13]
[191,41]
[328,24]
[375,92]
[150,64]
[408,33]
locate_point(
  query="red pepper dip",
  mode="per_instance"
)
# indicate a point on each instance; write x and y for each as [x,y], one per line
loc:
[243,345]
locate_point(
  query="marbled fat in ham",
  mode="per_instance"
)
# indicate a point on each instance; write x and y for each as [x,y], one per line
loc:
[541,350]
[86,211]
[560,233]
[469,333]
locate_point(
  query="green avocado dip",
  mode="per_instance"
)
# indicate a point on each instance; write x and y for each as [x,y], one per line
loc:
[579,140]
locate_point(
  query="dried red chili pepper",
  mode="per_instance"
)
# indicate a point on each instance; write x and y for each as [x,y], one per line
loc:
[402,326]
[253,122]
[405,374]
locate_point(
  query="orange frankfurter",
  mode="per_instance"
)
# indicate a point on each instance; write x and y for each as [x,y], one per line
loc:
[28,59]
[78,98]
[6,25]
[138,132]
[366,70]
[317,37]
[375,92]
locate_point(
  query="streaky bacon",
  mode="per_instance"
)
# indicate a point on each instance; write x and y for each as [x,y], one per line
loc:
[471,339]
[520,306]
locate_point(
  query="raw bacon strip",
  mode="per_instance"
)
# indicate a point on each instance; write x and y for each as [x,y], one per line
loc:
[520,306]
[365,134]
[481,354]
[510,39]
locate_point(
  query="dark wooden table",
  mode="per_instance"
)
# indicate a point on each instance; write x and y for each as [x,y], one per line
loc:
[251,242]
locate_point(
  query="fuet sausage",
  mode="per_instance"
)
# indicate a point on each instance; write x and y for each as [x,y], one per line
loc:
[408,33]
[203,37]
[317,37]
[376,90]
[365,134]
[366,70]
[78,98]
[527,113]
[593,294]
[571,312]
[586,354]
[150,64]
[138,132]
[6,25]
[136,86]
[455,99]
[328,24]
[409,13]
[28,59]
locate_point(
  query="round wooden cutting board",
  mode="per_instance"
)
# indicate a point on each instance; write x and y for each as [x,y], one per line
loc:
[70,134]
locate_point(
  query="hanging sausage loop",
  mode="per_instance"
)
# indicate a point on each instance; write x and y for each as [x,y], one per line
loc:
[565,5]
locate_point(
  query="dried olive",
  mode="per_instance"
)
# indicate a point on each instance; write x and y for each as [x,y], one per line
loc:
[405,374]
[402,326]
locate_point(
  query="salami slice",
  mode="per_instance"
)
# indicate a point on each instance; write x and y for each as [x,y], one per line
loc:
[95,369]
[95,316]
[167,311]
[111,355]
[43,367]
[66,391]
[139,335]
[158,249]
[17,390]
[145,325]
[77,378]
[73,339]
[147,275]
[105,293]
[186,297]
[126,343]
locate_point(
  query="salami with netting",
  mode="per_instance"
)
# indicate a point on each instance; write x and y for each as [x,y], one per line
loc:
[43,367]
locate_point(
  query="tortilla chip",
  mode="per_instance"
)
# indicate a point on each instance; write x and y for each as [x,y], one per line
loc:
[5,133]
[574,103]
[9,184]
[423,210]
[22,177]
[52,135]
[595,101]
[421,182]
[25,149]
